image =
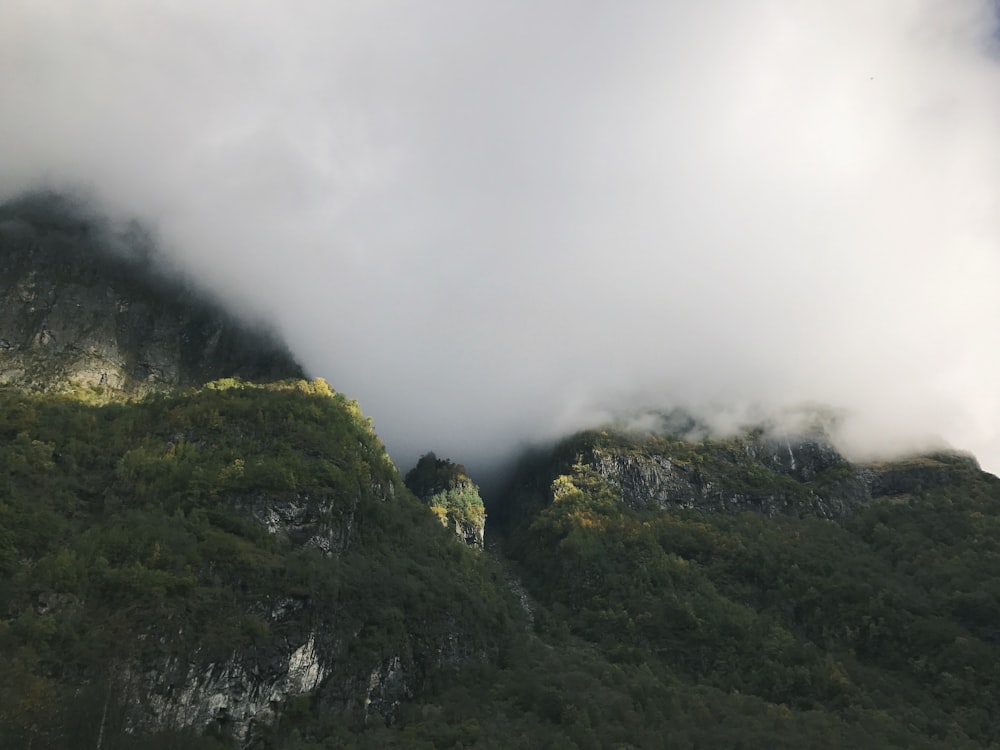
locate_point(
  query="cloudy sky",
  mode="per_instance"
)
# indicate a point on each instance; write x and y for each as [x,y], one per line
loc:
[491,222]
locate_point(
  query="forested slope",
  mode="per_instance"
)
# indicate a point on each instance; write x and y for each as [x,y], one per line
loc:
[217,559]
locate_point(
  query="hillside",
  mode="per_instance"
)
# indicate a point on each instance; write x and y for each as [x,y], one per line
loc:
[860,597]
[199,548]
[203,561]
[188,557]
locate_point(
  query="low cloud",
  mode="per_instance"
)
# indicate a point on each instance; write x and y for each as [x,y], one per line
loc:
[494,222]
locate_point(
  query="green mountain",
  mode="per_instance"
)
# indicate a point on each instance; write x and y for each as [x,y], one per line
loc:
[180,562]
[771,573]
[200,548]
[206,559]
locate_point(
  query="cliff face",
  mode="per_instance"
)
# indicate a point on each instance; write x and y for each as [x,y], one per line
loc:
[83,304]
[800,475]
[791,476]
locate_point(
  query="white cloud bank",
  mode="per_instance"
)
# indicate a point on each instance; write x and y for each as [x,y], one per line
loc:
[491,221]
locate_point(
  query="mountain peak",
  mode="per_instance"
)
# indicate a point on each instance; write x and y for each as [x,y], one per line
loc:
[85,304]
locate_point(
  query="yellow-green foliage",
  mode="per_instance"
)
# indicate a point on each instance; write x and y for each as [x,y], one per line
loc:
[445,485]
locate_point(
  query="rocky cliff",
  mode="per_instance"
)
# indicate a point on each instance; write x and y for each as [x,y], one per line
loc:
[797,475]
[803,475]
[85,304]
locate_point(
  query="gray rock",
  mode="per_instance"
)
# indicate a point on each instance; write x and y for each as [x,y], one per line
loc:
[85,305]
[799,475]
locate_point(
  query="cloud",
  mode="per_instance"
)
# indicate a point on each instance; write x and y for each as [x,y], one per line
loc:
[492,222]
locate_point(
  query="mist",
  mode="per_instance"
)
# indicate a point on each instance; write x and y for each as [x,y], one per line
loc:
[496,222]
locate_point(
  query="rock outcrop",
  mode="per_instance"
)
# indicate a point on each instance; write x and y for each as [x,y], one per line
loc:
[446,488]
[85,305]
[803,475]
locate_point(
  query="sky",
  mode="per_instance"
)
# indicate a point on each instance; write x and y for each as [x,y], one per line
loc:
[492,223]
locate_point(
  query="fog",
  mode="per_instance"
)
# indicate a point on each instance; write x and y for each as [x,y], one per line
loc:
[495,222]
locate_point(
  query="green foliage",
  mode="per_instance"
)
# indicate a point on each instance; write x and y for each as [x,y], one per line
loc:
[685,630]
[447,489]
[885,624]
[131,537]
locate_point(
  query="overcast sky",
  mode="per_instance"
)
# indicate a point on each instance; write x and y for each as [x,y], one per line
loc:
[491,222]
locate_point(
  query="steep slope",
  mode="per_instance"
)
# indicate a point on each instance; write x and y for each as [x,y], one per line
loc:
[215,561]
[795,617]
[85,304]
[761,472]
[197,548]
[776,570]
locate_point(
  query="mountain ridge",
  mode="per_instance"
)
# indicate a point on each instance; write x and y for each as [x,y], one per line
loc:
[207,551]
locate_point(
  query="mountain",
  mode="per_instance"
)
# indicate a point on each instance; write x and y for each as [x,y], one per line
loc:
[763,571]
[202,561]
[201,549]
[86,304]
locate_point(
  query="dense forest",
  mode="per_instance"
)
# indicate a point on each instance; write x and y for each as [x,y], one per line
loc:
[134,536]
